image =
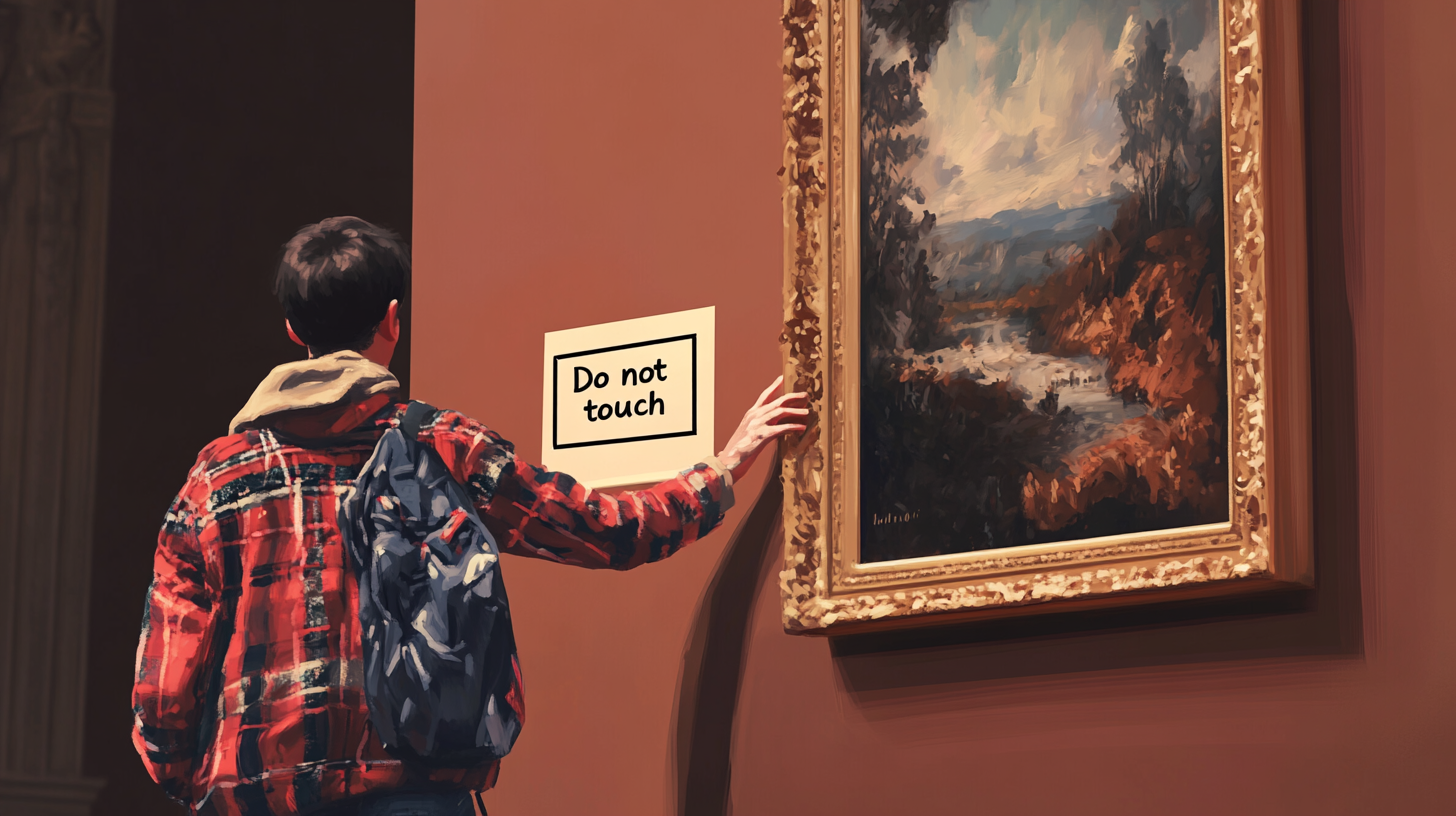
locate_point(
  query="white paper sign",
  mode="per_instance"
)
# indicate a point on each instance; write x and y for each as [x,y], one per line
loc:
[629,402]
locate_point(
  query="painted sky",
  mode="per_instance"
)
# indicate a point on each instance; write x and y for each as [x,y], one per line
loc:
[1019,99]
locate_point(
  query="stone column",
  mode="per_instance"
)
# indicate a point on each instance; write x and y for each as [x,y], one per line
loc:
[55,137]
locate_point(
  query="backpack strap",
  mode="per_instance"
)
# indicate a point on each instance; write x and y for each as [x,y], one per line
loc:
[414,418]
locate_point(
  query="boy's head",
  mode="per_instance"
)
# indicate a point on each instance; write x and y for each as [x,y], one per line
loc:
[336,282]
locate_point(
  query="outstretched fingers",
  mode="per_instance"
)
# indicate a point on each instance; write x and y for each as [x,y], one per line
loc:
[782,413]
[779,430]
[767,392]
[787,398]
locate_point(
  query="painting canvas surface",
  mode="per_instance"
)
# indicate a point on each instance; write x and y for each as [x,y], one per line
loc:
[1043,283]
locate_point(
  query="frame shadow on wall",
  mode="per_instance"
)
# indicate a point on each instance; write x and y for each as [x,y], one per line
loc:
[1324,621]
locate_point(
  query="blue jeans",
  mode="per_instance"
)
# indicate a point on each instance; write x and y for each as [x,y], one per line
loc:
[408,803]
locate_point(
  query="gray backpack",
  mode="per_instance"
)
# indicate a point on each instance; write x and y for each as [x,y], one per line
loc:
[440,667]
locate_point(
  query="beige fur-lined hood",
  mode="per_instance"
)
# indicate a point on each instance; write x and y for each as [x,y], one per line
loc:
[341,378]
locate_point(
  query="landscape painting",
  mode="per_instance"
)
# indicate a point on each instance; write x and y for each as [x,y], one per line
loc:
[1043,299]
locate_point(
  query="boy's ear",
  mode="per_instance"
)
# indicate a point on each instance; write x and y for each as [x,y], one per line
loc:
[291,335]
[389,327]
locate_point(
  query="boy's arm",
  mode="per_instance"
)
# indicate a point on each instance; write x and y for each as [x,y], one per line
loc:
[176,635]
[550,515]
[545,514]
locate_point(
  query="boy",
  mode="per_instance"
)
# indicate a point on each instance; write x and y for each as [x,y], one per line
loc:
[247,695]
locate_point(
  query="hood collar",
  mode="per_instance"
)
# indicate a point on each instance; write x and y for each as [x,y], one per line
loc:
[340,379]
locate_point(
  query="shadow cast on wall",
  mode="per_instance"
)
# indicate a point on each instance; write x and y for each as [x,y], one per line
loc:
[1324,621]
[713,663]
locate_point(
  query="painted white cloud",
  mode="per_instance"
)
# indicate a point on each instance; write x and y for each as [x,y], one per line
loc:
[1048,137]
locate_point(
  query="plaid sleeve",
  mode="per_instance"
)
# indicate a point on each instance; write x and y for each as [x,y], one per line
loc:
[541,513]
[550,515]
[176,631]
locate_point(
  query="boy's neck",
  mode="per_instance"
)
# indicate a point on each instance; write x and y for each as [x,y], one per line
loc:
[380,352]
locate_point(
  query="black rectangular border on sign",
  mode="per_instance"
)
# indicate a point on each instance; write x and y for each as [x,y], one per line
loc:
[556,390]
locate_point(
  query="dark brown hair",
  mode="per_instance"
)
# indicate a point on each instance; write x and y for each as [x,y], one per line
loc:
[336,279]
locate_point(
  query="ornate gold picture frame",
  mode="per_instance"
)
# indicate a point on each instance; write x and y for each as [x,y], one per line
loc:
[1262,540]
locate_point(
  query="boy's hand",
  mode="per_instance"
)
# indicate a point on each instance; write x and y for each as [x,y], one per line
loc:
[763,422]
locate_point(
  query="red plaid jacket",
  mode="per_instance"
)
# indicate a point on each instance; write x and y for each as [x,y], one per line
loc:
[247,694]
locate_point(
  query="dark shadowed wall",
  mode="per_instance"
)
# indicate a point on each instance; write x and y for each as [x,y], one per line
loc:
[235,125]
[621,162]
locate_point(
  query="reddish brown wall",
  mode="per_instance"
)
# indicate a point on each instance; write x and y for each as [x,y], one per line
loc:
[614,161]
[619,161]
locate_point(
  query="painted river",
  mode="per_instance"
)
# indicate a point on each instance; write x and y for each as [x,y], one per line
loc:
[998,350]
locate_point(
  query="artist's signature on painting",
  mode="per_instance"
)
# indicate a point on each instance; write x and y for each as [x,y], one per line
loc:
[881,519]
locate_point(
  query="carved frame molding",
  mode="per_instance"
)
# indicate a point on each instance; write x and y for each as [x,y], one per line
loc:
[1265,544]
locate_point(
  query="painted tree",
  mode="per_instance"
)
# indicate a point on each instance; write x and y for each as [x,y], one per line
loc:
[1156,111]
[900,307]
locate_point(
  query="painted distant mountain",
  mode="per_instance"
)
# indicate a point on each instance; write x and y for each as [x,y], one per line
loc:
[991,258]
